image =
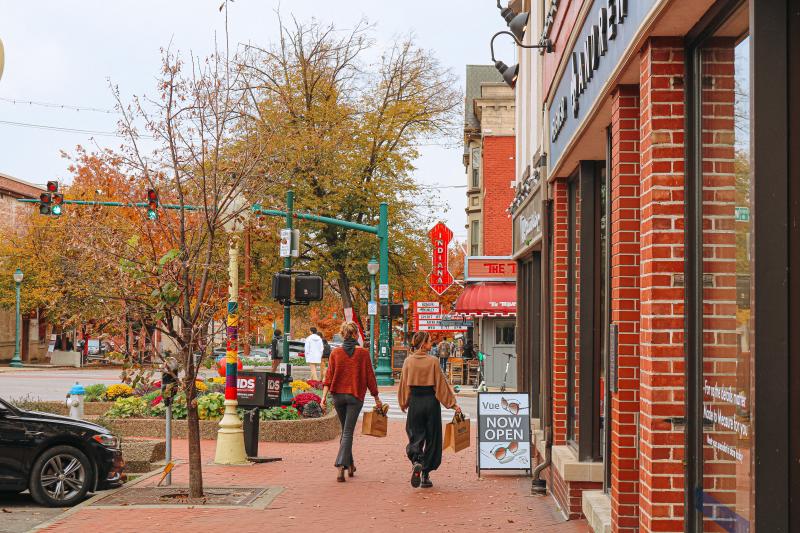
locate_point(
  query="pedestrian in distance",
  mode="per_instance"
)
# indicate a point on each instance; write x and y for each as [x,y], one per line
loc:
[277,349]
[313,352]
[326,355]
[444,353]
[349,376]
[423,390]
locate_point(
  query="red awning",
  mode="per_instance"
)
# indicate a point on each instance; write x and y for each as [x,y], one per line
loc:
[488,299]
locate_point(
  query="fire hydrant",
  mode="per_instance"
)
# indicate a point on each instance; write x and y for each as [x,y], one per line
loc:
[75,401]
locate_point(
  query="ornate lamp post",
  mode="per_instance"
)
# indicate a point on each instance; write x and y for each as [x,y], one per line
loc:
[16,361]
[230,437]
[405,322]
[372,267]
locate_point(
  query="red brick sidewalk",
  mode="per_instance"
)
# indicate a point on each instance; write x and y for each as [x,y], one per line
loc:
[379,498]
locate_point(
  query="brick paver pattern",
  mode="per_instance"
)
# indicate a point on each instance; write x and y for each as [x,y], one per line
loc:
[379,498]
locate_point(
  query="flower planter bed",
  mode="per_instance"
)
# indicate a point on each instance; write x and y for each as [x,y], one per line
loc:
[60,408]
[302,430]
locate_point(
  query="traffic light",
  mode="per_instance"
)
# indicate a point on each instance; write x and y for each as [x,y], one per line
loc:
[58,203]
[152,204]
[49,198]
[45,201]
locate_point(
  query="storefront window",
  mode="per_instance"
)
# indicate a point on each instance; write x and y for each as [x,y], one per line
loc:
[728,268]
[504,334]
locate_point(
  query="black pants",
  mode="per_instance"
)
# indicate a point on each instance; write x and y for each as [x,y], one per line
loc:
[424,428]
[348,407]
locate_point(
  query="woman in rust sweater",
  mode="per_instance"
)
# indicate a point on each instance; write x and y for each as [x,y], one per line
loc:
[423,390]
[348,377]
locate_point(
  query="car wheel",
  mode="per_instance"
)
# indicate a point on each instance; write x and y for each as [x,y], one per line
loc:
[61,477]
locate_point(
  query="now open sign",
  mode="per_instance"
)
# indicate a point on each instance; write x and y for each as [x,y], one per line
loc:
[504,431]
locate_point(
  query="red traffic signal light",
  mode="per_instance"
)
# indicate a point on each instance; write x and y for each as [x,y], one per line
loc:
[52,186]
[152,204]
[58,198]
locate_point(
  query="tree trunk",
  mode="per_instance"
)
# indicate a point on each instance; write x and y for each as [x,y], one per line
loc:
[347,297]
[195,462]
[344,287]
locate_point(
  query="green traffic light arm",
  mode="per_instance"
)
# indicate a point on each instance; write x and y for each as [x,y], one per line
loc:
[316,218]
[117,204]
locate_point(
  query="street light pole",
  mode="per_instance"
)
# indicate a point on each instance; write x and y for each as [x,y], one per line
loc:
[405,322]
[372,268]
[16,362]
[384,371]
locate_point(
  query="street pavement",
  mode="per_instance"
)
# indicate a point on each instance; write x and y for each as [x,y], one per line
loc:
[468,406]
[19,513]
[379,498]
[54,383]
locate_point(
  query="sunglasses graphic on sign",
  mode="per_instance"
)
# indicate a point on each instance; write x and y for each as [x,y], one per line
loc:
[507,453]
[512,406]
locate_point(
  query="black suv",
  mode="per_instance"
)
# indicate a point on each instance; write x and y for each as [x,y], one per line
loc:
[60,459]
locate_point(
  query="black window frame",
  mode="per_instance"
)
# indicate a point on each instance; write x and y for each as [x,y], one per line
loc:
[775,147]
[590,334]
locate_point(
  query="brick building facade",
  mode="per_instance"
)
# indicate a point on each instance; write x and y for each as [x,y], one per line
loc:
[489,161]
[656,297]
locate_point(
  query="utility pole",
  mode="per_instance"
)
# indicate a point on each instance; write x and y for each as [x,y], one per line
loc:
[384,371]
[287,264]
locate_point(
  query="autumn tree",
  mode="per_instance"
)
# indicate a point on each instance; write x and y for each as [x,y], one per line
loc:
[343,134]
[174,269]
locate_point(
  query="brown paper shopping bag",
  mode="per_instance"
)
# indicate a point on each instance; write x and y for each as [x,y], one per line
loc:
[375,422]
[456,434]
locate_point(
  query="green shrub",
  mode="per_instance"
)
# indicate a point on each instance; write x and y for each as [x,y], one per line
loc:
[179,408]
[34,403]
[150,396]
[95,393]
[280,413]
[130,407]
[312,410]
[211,406]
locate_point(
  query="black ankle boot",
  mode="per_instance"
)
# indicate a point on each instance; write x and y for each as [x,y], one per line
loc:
[426,481]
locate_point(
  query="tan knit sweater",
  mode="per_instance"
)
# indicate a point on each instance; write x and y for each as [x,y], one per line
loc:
[421,370]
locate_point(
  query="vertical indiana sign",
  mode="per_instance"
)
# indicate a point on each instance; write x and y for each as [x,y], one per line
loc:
[440,278]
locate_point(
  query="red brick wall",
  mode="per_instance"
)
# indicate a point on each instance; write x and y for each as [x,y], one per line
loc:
[625,305]
[498,173]
[662,299]
[559,310]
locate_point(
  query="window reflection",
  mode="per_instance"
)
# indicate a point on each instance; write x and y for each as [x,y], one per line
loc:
[728,268]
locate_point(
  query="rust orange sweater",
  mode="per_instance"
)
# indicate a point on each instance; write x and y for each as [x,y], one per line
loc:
[421,370]
[351,374]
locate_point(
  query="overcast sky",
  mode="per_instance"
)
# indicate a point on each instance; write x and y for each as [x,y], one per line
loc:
[66,52]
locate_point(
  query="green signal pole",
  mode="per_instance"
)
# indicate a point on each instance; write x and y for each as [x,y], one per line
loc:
[384,371]
[286,390]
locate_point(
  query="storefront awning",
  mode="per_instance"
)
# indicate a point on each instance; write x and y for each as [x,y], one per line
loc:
[487,300]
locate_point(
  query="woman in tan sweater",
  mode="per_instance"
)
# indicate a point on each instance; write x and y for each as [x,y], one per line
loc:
[423,390]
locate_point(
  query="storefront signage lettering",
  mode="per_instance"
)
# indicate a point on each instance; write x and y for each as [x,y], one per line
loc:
[549,19]
[490,269]
[606,33]
[595,45]
[527,224]
[440,278]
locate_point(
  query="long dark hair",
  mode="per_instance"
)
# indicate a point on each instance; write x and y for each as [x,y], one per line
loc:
[419,339]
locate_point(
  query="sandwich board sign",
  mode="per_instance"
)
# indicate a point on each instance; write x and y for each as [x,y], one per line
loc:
[504,431]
